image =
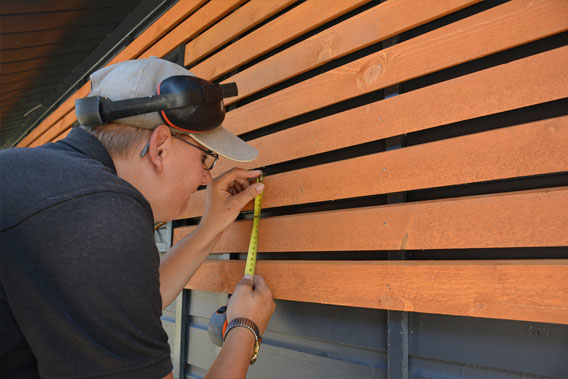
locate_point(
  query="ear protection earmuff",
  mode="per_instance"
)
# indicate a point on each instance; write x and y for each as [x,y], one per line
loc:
[184,102]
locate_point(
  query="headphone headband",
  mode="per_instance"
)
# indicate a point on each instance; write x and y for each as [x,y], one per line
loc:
[192,104]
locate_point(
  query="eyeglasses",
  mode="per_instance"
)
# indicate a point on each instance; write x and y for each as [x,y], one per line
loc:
[208,160]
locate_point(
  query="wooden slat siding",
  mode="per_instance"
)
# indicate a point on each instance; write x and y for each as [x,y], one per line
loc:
[238,22]
[206,16]
[179,34]
[179,12]
[536,79]
[146,38]
[523,150]
[62,135]
[56,130]
[489,32]
[536,218]
[67,106]
[298,21]
[379,23]
[504,289]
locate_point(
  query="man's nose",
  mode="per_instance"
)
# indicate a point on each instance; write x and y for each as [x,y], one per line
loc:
[206,177]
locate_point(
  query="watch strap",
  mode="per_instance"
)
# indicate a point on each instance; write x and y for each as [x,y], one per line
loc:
[250,325]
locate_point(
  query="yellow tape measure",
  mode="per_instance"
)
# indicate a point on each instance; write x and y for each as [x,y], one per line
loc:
[253,244]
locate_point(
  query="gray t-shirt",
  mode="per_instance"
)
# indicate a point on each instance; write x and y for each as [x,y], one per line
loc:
[79,279]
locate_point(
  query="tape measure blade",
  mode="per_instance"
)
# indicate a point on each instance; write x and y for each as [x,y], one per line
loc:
[253,244]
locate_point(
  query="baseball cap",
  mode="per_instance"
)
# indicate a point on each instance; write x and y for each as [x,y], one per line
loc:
[140,78]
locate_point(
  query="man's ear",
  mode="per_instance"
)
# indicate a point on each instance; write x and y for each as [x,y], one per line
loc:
[159,149]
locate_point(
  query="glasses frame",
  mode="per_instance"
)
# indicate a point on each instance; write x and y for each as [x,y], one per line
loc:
[207,153]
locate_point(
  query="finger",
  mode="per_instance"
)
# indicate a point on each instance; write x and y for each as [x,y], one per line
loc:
[238,187]
[245,282]
[260,284]
[247,195]
[226,178]
[244,183]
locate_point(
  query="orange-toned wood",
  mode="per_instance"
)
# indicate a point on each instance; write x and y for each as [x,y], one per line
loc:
[149,36]
[57,129]
[533,80]
[523,150]
[376,24]
[303,18]
[62,135]
[489,32]
[67,106]
[238,22]
[206,16]
[164,24]
[517,219]
[505,289]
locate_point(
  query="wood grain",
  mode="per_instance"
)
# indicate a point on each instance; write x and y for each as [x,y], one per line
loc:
[517,219]
[536,79]
[530,149]
[302,19]
[500,28]
[372,26]
[67,106]
[56,129]
[176,14]
[238,22]
[504,289]
[206,16]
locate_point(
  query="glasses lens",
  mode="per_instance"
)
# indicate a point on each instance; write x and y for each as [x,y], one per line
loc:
[209,161]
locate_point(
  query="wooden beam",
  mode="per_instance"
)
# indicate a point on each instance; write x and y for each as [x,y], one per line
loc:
[518,219]
[302,19]
[374,25]
[206,16]
[497,29]
[179,12]
[235,24]
[504,289]
[536,79]
[530,149]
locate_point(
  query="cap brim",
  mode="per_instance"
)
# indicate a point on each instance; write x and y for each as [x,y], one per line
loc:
[226,144]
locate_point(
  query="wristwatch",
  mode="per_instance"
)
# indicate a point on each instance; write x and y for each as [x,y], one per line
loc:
[250,325]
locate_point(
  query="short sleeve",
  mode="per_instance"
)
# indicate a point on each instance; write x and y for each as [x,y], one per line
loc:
[81,279]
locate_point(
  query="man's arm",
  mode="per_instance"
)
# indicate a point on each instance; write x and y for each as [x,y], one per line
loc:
[252,300]
[226,196]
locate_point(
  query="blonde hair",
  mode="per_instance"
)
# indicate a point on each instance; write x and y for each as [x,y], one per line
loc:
[118,139]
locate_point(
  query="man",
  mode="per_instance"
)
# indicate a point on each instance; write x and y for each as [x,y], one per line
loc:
[81,284]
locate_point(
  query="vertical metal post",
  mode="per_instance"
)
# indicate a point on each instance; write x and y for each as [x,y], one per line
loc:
[397,324]
[180,343]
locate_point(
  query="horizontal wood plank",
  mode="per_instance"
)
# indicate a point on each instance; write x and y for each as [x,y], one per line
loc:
[530,149]
[238,22]
[374,25]
[300,20]
[206,16]
[500,28]
[176,14]
[67,106]
[536,79]
[56,130]
[516,289]
[518,219]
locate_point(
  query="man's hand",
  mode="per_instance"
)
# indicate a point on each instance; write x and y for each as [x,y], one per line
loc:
[226,196]
[252,300]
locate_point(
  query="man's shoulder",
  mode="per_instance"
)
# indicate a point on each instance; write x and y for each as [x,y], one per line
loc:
[38,178]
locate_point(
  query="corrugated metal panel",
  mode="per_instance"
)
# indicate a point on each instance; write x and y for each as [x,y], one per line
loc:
[306,340]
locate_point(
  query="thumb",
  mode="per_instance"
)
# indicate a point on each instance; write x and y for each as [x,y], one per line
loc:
[250,193]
